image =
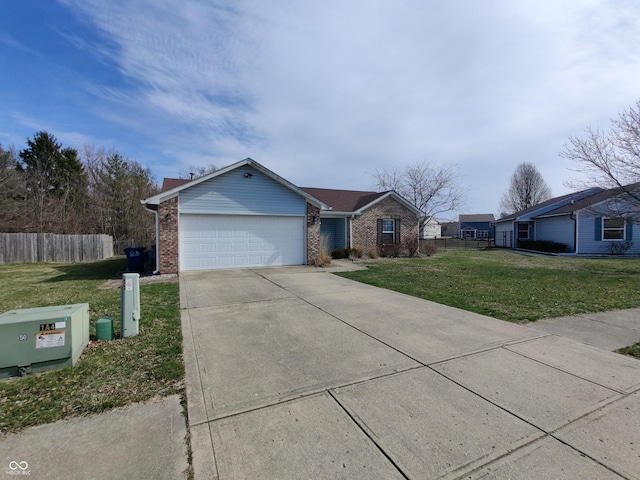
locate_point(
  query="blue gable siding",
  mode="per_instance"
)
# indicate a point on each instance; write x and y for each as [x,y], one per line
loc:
[237,194]
[335,231]
[590,236]
[557,229]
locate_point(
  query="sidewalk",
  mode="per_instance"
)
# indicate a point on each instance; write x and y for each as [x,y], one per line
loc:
[145,440]
[608,330]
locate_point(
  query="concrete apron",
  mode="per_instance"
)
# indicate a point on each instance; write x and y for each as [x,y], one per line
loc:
[297,373]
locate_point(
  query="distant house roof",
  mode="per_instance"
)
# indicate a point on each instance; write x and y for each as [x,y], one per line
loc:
[476,218]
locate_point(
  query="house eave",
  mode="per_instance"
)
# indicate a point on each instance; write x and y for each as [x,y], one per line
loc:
[419,213]
[174,192]
[333,213]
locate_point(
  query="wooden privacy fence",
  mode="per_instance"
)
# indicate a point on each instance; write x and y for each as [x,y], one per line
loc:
[49,247]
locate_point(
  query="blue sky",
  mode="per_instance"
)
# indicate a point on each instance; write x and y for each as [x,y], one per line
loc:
[322,93]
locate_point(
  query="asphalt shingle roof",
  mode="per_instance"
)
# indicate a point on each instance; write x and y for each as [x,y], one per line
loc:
[478,217]
[598,196]
[343,200]
[169,183]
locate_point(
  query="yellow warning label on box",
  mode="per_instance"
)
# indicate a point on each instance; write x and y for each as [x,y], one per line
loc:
[50,339]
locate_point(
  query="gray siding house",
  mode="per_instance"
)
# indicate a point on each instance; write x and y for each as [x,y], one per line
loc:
[590,222]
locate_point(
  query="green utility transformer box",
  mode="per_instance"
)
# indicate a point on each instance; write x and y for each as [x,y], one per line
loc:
[37,339]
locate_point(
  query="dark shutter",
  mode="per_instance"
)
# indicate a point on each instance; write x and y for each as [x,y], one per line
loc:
[598,223]
[396,231]
[379,242]
[629,228]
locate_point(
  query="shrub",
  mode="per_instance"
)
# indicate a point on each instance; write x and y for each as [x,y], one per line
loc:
[339,253]
[619,248]
[390,250]
[373,253]
[355,252]
[542,246]
[323,259]
[411,245]
[429,249]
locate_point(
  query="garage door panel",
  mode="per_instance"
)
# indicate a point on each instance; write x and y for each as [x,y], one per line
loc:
[230,241]
[225,247]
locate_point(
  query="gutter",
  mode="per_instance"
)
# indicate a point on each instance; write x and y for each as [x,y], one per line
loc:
[351,231]
[574,217]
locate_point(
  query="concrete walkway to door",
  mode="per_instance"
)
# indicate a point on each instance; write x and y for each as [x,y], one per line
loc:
[297,373]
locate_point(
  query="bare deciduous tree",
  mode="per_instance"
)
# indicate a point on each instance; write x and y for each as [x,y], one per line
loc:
[433,188]
[116,186]
[11,191]
[526,189]
[610,159]
[195,172]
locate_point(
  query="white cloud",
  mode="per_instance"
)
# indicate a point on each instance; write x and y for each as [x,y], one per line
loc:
[323,92]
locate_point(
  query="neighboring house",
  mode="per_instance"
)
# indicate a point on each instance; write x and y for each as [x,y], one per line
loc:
[431,228]
[581,220]
[477,226]
[450,229]
[245,215]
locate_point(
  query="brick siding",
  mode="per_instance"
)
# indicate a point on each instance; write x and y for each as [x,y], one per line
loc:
[365,226]
[313,234]
[169,248]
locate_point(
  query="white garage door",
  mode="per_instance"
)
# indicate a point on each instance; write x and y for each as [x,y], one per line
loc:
[234,241]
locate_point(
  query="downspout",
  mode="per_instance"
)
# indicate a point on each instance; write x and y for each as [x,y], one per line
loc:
[351,231]
[156,213]
[574,217]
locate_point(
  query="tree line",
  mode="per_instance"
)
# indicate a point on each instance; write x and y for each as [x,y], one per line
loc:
[48,188]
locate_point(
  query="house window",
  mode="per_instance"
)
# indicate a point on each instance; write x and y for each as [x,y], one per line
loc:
[523,231]
[388,231]
[613,228]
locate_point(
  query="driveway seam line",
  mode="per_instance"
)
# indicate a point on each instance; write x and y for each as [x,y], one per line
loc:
[344,322]
[621,392]
[308,395]
[359,427]
[611,469]
[206,408]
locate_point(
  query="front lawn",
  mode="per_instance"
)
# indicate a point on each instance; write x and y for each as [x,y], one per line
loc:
[110,374]
[510,285]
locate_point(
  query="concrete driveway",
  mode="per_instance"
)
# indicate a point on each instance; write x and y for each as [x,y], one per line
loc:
[295,373]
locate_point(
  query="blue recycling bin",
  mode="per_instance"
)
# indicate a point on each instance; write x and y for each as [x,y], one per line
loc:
[135,258]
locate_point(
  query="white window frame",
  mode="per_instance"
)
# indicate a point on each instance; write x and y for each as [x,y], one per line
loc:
[386,231]
[614,229]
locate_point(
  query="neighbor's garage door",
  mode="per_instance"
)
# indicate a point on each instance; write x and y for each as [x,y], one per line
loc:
[231,241]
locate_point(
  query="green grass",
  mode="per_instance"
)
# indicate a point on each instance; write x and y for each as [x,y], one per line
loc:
[110,374]
[511,286]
